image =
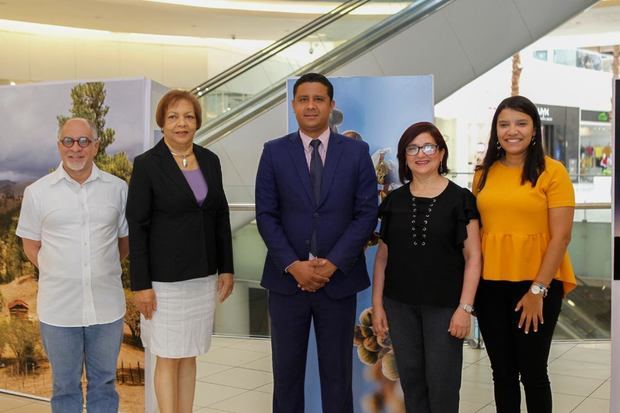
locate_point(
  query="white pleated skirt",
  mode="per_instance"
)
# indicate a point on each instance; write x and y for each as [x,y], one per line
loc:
[182,325]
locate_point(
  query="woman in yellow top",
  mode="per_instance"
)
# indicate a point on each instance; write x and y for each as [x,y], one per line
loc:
[526,203]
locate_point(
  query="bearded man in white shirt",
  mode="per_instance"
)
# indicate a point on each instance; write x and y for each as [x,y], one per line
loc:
[73,228]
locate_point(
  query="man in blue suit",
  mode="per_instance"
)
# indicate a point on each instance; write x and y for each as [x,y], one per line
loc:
[316,206]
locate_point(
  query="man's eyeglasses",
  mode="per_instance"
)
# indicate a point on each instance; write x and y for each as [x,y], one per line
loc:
[82,141]
[427,149]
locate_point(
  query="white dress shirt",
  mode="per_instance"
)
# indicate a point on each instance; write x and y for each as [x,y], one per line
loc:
[79,227]
[305,140]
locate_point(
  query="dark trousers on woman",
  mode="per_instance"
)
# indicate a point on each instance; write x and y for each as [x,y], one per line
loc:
[429,360]
[513,353]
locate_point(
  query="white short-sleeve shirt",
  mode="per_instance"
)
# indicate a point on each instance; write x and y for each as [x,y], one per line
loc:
[79,227]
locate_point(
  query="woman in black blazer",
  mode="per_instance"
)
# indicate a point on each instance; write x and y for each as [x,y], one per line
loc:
[181,248]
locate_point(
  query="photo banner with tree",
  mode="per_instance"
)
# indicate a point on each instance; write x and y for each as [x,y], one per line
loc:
[126,127]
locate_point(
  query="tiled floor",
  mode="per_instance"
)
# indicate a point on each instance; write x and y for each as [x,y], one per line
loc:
[235,377]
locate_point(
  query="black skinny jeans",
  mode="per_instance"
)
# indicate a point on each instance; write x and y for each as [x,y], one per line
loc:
[513,353]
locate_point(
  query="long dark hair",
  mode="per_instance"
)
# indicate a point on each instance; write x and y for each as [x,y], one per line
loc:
[404,173]
[534,158]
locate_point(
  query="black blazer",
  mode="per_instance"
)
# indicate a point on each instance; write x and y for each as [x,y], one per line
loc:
[171,237]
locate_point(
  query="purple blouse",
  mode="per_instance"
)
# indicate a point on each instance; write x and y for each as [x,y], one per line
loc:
[197,182]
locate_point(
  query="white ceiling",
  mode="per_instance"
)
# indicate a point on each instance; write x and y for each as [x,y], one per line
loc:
[604,17]
[140,16]
[597,28]
[152,17]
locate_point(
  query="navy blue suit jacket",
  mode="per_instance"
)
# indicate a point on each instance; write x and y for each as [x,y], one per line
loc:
[344,217]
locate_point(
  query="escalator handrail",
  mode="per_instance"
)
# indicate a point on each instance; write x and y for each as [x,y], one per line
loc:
[279,45]
[224,124]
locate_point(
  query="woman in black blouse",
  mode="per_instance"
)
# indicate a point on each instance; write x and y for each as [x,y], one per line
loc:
[426,272]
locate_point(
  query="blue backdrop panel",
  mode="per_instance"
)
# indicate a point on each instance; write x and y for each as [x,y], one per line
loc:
[379,109]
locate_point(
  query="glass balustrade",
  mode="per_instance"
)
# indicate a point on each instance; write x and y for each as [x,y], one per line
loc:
[586,311]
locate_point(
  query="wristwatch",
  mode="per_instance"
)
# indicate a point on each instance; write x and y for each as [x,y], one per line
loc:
[538,289]
[469,309]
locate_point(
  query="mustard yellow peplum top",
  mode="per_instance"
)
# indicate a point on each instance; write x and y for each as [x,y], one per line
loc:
[515,221]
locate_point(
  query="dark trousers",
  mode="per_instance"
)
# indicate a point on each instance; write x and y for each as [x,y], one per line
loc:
[429,360]
[513,353]
[290,328]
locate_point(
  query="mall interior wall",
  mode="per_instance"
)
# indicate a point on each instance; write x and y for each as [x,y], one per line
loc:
[37,57]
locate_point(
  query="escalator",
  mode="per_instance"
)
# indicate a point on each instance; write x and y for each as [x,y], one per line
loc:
[455,40]
[259,79]
[257,84]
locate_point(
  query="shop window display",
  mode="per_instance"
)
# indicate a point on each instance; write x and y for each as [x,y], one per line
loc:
[596,156]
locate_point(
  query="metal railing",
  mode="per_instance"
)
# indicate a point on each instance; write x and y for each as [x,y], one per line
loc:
[276,47]
[586,310]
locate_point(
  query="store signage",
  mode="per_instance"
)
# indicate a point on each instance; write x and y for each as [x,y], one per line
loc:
[545,114]
[595,116]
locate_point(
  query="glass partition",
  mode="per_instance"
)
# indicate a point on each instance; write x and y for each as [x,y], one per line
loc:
[244,313]
[586,313]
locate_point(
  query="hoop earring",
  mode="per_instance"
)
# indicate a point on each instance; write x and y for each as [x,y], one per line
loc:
[498,146]
[533,142]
